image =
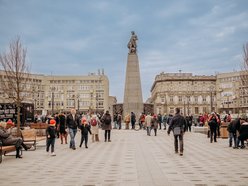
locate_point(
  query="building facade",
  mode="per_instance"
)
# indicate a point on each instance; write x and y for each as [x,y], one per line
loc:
[112,102]
[192,94]
[231,95]
[61,93]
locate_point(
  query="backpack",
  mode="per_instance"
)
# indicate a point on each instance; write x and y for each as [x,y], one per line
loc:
[93,122]
[107,119]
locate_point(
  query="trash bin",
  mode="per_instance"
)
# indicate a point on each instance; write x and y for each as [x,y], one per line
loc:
[223,130]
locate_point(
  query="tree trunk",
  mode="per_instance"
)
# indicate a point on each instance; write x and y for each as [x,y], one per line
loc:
[18,119]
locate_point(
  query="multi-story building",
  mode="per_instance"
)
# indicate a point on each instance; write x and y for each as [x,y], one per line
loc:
[231,95]
[112,101]
[51,93]
[192,94]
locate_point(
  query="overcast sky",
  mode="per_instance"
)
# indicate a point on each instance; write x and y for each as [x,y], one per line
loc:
[77,37]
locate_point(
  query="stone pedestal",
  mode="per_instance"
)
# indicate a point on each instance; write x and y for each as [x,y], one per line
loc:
[133,101]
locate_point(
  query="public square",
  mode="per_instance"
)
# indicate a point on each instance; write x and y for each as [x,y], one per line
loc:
[132,159]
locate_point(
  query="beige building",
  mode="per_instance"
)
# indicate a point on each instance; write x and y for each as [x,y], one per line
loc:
[112,101]
[231,97]
[61,93]
[192,94]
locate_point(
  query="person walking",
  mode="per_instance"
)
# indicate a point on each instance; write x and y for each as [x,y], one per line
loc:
[119,118]
[164,120]
[85,129]
[190,122]
[213,124]
[72,122]
[133,120]
[115,120]
[106,125]
[127,121]
[159,117]
[142,120]
[232,130]
[56,118]
[243,133]
[51,135]
[62,128]
[178,124]
[154,124]
[94,123]
[148,123]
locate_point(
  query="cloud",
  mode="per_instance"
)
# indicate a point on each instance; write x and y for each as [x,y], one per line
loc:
[80,37]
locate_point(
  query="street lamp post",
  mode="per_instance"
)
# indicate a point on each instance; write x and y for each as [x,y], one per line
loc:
[184,108]
[34,98]
[188,98]
[91,100]
[78,96]
[53,88]
[211,99]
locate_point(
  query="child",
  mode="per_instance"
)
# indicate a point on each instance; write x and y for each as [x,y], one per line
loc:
[51,135]
[85,128]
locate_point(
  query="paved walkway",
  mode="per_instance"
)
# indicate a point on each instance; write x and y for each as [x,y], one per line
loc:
[131,159]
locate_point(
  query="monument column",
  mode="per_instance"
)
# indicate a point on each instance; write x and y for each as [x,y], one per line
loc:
[133,101]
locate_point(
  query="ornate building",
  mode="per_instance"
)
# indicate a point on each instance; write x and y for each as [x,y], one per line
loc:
[61,93]
[192,94]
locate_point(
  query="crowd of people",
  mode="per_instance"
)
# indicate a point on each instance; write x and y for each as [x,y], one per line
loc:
[61,125]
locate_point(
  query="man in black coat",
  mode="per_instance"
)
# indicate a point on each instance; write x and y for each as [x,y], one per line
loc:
[133,120]
[243,133]
[213,121]
[178,124]
[232,129]
[72,122]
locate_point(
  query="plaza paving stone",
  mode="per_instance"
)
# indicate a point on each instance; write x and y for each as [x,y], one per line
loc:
[131,159]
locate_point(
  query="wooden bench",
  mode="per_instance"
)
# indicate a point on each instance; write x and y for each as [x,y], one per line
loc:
[4,150]
[30,138]
[40,128]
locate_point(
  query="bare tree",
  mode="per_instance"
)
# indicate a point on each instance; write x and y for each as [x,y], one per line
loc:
[15,75]
[244,74]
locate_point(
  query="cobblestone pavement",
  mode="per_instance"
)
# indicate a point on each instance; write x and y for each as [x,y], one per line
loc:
[131,159]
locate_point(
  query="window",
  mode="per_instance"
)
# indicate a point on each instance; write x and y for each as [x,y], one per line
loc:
[196,99]
[84,103]
[180,99]
[204,99]
[171,98]
[196,110]
[70,103]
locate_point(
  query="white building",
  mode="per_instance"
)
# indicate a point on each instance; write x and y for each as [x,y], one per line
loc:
[61,93]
